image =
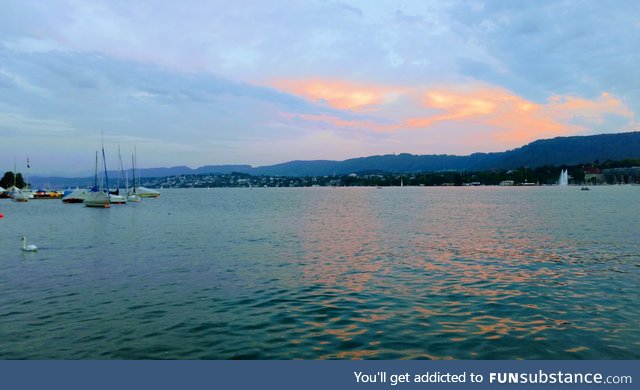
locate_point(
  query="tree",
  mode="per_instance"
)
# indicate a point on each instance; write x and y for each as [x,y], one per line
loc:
[20,183]
[578,175]
[7,180]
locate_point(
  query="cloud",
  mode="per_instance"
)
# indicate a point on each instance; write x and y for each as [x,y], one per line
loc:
[514,120]
[569,107]
[55,96]
[556,48]
[336,122]
[9,122]
[218,80]
[250,41]
[534,49]
[477,110]
[340,94]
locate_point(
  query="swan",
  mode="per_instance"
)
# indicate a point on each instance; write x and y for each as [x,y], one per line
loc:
[28,248]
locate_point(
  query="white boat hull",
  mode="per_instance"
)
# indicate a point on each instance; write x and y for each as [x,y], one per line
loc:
[20,196]
[144,192]
[117,199]
[133,198]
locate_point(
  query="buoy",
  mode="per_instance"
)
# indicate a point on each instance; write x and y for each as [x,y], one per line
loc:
[1,215]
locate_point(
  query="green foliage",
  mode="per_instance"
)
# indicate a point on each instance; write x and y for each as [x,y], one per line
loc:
[629,162]
[548,174]
[7,180]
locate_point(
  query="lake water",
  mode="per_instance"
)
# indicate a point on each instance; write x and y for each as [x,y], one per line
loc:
[322,273]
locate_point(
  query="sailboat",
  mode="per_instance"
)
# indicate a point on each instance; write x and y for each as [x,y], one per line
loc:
[20,196]
[17,194]
[143,192]
[75,196]
[114,196]
[97,197]
[132,196]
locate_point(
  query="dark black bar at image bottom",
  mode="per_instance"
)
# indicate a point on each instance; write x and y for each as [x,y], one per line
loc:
[222,374]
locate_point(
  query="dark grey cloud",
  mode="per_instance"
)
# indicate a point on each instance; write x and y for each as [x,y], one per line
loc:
[197,73]
[580,48]
[92,91]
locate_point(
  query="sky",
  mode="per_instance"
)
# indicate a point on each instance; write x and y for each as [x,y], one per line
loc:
[254,82]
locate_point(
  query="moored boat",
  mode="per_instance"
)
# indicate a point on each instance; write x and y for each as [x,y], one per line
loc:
[15,193]
[20,196]
[141,192]
[75,196]
[131,193]
[133,198]
[98,197]
[44,194]
[117,199]
[144,192]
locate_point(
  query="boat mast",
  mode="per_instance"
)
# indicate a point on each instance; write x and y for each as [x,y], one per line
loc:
[121,176]
[95,177]
[123,172]
[26,178]
[133,173]
[104,163]
[135,152]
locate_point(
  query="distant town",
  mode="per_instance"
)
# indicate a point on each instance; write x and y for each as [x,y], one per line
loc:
[615,173]
[610,172]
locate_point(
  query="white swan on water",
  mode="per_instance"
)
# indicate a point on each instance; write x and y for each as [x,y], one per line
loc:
[28,248]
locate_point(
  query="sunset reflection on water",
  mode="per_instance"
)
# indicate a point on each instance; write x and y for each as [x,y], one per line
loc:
[322,273]
[463,268]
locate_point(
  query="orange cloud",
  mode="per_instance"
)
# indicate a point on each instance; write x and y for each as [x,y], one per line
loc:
[513,119]
[338,94]
[567,107]
[557,117]
[336,122]
[461,106]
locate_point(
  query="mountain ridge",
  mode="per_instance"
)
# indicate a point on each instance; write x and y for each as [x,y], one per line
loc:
[570,150]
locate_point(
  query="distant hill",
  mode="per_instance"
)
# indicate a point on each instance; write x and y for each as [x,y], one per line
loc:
[184,170]
[573,150]
[555,151]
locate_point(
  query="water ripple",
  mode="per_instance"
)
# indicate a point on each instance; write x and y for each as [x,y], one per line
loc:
[413,273]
